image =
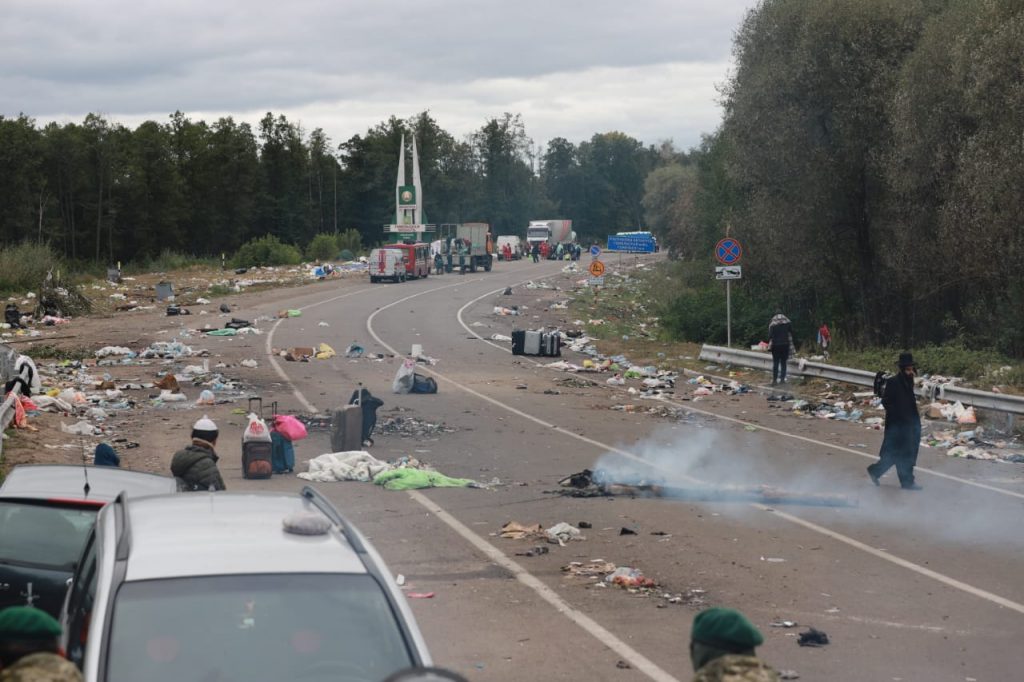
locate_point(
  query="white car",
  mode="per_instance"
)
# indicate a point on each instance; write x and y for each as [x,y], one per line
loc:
[246,587]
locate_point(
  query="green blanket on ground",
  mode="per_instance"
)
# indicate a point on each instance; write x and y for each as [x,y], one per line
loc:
[413,479]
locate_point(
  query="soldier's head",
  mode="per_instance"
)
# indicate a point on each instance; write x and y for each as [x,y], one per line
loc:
[26,630]
[720,631]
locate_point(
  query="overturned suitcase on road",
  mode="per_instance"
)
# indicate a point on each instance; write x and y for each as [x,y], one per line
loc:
[531,344]
[347,428]
[518,341]
[551,345]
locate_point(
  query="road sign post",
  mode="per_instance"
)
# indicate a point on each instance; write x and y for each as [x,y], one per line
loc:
[728,252]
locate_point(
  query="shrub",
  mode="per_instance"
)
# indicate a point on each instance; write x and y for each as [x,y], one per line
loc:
[324,247]
[24,266]
[266,250]
[350,240]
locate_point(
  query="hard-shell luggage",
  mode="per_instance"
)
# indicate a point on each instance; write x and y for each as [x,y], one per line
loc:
[551,345]
[518,341]
[347,428]
[531,345]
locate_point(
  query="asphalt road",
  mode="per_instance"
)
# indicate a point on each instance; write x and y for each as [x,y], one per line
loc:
[908,585]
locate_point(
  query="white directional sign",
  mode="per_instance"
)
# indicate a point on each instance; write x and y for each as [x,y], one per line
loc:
[728,272]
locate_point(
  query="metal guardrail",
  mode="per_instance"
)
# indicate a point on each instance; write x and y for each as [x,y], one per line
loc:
[1011,404]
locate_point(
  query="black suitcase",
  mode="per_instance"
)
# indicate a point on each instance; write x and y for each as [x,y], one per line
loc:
[518,341]
[551,345]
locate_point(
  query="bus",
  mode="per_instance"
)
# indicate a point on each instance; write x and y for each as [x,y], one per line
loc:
[416,256]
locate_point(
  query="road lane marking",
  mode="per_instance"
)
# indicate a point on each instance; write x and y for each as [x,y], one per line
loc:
[736,420]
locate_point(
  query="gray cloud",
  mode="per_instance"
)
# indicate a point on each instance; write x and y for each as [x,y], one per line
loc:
[647,67]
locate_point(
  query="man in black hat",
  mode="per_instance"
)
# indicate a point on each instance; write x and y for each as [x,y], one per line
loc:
[902,437]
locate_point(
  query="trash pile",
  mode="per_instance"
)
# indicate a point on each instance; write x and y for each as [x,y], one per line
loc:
[974,445]
[86,393]
[606,574]
[410,427]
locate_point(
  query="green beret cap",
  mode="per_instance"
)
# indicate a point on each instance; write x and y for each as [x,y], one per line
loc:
[726,629]
[27,622]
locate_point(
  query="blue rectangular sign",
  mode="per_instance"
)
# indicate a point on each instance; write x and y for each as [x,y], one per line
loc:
[631,243]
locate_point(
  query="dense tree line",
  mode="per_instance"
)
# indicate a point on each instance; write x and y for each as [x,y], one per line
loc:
[97,191]
[871,160]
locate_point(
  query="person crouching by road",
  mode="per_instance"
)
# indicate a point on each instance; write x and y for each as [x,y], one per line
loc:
[722,648]
[902,438]
[195,466]
[29,650]
[780,340]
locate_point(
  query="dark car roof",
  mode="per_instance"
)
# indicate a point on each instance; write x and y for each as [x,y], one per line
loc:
[66,481]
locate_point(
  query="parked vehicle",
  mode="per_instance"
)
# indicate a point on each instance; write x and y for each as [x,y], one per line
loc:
[387,264]
[554,232]
[416,256]
[46,513]
[480,247]
[259,587]
[513,241]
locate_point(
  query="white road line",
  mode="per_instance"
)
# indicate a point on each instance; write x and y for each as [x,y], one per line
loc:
[735,420]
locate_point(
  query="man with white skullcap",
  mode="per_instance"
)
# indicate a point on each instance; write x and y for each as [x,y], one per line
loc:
[195,466]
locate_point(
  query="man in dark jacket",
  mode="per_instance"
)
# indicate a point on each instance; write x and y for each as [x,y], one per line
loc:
[195,466]
[902,437]
[780,340]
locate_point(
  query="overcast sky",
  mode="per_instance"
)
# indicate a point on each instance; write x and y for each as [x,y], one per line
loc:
[648,68]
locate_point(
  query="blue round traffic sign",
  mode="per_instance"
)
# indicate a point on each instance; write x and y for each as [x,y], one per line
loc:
[728,251]
[595,250]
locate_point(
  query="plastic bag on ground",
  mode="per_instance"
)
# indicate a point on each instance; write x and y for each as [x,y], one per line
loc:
[563,532]
[404,377]
[325,352]
[82,428]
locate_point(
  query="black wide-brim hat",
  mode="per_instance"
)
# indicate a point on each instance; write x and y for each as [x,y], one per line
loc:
[906,360]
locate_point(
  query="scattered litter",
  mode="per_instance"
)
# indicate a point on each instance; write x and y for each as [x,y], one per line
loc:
[513,530]
[813,638]
[624,576]
[249,363]
[321,323]
[783,624]
[563,532]
[82,428]
[354,351]
[419,595]
[789,675]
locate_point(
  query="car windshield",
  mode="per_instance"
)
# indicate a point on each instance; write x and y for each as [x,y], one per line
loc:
[41,534]
[255,628]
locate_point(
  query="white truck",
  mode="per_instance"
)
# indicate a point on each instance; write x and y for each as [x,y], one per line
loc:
[554,232]
[386,264]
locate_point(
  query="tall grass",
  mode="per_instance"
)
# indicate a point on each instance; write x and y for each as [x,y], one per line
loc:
[23,267]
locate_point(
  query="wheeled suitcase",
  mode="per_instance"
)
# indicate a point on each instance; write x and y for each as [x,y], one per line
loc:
[531,344]
[518,341]
[347,428]
[551,345]
[257,448]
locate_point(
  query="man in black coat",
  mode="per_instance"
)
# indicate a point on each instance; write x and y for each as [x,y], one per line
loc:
[902,437]
[780,341]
